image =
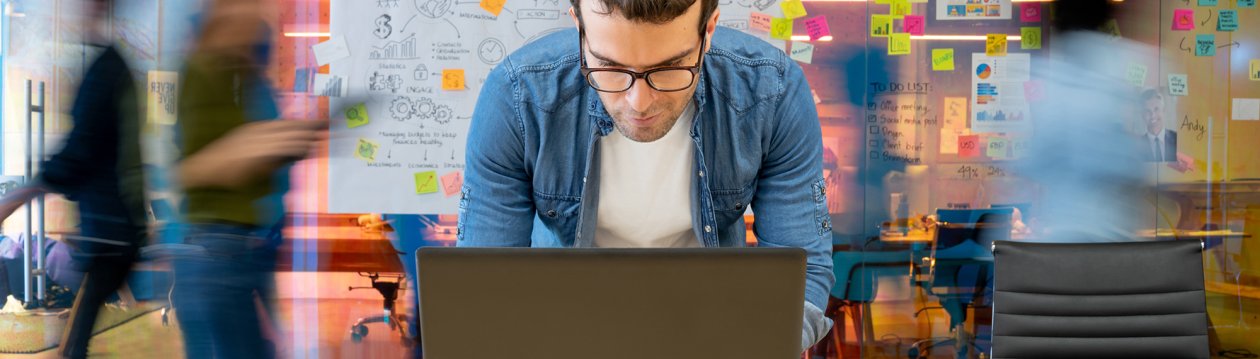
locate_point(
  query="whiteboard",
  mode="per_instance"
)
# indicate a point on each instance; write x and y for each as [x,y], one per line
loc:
[409,155]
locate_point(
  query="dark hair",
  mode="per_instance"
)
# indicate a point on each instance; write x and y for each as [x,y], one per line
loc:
[651,11]
[1085,15]
[1151,94]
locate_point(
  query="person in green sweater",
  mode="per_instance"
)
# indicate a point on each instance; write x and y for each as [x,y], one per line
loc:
[233,208]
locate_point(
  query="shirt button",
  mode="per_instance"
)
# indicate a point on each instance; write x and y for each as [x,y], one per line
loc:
[551,213]
[708,229]
[583,179]
[701,173]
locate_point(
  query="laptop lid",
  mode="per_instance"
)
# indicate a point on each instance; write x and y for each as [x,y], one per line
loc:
[523,303]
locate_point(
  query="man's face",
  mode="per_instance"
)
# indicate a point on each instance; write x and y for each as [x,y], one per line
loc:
[642,113]
[1153,115]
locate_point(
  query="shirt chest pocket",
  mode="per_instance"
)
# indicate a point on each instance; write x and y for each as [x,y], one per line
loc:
[559,214]
[729,204]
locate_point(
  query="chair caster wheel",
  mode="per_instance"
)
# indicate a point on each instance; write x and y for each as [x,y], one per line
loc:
[356,338]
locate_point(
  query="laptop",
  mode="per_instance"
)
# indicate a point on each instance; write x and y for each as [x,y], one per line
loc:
[527,303]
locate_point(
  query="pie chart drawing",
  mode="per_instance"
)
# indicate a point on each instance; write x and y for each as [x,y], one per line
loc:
[984,71]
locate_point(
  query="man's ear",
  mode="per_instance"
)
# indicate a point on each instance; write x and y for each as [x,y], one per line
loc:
[709,27]
[573,14]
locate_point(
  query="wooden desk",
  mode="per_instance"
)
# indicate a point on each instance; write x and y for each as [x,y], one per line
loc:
[1194,198]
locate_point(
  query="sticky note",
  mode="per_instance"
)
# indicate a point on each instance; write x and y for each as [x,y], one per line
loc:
[881,25]
[995,45]
[1246,109]
[781,28]
[1030,12]
[366,150]
[1137,75]
[452,182]
[956,113]
[793,9]
[913,24]
[942,59]
[426,182]
[949,141]
[899,44]
[1207,2]
[1205,45]
[452,79]
[1183,19]
[997,148]
[1030,38]
[1254,71]
[759,21]
[1111,27]
[1178,85]
[1246,4]
[494,7]
[817,27]
[1032,91]
[332,50]
[1227,20]
[356,116]
[803,52]
[898,8]
[969,146]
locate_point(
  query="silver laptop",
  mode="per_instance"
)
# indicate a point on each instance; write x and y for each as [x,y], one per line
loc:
[533,303]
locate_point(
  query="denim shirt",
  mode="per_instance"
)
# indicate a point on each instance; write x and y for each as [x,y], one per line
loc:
[533,153]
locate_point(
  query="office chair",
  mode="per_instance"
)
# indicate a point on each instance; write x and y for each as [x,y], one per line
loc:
[855,288]
[1097,300]
[958,270]
[387,284]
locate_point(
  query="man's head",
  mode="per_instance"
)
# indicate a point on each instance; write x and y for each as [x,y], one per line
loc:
[1153,111]
[641,35]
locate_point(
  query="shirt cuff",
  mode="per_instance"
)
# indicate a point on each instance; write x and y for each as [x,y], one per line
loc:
[815,326]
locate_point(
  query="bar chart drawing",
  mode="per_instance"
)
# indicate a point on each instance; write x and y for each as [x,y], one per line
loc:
[395,50]
[329,85]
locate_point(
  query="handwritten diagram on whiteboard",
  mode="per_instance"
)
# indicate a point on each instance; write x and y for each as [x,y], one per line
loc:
[402,100]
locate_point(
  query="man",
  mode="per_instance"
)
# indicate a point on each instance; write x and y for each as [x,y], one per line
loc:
[648,126]
[1161,143]
[99,167]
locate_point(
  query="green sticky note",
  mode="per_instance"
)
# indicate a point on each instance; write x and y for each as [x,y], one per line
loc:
[997,148]
[781,28]
[356,116]
[1205,45]
[898,8]
[942,59]
[1030,38]
[803,52]
[899,44]
[1207,2]
[881,25]
[426,182]
[793,9]
[1246,4]
[1227,20]
[366,150]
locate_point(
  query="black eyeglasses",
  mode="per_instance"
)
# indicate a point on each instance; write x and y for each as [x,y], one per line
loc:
[663,79]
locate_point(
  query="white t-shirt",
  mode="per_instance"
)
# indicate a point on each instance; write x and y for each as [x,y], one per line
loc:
[645,189]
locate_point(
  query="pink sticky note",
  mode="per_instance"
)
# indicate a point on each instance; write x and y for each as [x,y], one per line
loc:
[969,146]
[452,182]
[1183,19]
[759,21]
[1030,12]
[1032,91]
[817,27]
[913,24]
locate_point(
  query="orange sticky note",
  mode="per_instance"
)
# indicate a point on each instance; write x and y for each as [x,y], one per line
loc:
[451,182]
[969,146]
[759,21]
[453,79]
[494,7]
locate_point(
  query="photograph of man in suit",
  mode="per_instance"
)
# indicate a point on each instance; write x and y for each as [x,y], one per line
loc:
[1160,143]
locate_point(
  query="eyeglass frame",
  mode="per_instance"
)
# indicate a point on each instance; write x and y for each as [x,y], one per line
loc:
[636,75]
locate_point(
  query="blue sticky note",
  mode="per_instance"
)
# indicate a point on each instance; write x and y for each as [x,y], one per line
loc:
[1246,4]
[1205,45]
[1227,20]
[1207,2]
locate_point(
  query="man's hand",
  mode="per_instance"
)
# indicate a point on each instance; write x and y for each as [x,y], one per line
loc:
[17,198]
[251,151]
[1184,163]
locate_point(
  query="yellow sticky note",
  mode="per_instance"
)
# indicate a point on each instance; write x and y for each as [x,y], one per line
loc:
[956,113]
[356,116]
[366,150]
[1254,74]
[426,182]
[942,59]
[995,45]
[899,44]
[881,25]
[899,8]
[781,28]
[1030,38]
[793,9]
[493,7]
[453,79]
[997,148]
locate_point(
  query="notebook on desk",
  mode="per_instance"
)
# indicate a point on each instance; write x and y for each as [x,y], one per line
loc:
[526,303]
